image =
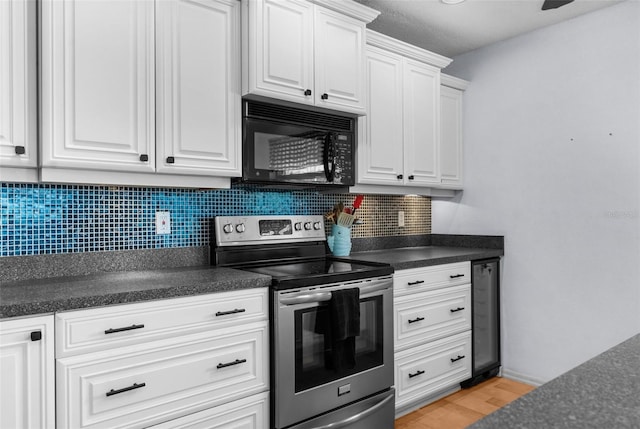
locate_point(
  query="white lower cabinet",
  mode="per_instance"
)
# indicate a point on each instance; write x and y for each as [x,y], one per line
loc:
[432,332]
[247,413]
[171,366]
[432,367]
[27,373]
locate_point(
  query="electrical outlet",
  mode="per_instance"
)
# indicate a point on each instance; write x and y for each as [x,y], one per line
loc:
[163,222]
[401,218]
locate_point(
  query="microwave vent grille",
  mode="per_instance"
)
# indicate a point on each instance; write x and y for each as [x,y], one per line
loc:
[293,115]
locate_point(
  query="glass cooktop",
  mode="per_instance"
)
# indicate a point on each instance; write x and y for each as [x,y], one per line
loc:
[288,275]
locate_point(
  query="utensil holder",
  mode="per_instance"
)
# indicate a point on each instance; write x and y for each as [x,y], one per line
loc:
[340,240]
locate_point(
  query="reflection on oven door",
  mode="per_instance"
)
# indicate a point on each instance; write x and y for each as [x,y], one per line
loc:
[376,412]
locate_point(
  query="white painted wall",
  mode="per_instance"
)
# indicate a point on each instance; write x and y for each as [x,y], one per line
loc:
[552,162]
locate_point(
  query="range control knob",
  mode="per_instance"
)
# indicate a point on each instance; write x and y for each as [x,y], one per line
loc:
[228,228]
[317,226]
[307,226]
[297,226]
[240,227]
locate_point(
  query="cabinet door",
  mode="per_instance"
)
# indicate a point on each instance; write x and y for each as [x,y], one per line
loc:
[138,386]
[431,368]
[27,373]
[97,70]
[280,49]
[246,413]
[18,111]
[380,151]
[198,97]
[451,136]
[339,61]
[421,123]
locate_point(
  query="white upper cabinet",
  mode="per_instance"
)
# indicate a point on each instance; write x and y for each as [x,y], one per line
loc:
[306,53]
[281,49]
[18,96]
[399,140]
[98,96]
[451,140]
[421,123]
[380,149]
[339,61]
[198,86]
[104,111]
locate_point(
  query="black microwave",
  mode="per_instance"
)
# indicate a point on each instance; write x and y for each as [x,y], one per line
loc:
[288,145]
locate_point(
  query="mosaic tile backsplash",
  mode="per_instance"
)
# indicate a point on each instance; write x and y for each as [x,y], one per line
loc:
[48,219]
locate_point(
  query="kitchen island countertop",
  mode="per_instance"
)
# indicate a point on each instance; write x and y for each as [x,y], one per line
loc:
[422,256]
[48,295]
[603,392]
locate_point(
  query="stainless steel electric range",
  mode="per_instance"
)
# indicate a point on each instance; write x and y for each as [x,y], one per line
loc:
[331,322]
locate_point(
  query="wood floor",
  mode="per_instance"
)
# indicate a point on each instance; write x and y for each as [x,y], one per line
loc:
[460,409]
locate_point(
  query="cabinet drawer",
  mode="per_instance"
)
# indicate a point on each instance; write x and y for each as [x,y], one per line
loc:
[86,331]
[431,315]
[429,278]
[426,370]
[246,413]
[135,386]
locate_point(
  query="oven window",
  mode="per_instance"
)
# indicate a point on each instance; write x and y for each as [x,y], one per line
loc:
[320,360]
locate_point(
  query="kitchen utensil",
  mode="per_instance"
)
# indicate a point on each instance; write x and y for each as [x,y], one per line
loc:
[345,219]
[356,203]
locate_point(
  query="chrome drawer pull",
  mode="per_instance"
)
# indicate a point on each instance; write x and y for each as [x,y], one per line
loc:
[457,359]
[455,276]
[417,282]
[234,311]
[126,389]
[417,319]
[415,374]
[235,362]
[453,310]
[126,328]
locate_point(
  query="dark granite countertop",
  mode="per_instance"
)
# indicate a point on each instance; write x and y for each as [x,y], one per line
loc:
[423,256]
[603,392]
[28,297]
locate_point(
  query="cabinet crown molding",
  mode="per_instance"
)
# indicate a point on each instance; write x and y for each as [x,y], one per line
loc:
[405,49]
[349,8]
[453,82]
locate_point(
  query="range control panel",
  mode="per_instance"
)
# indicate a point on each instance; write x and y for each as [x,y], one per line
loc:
[246,230]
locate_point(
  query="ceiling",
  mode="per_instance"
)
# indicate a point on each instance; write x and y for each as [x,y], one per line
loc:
[451,30]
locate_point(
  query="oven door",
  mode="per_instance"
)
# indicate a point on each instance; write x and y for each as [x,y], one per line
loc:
[278,152]
[306,382]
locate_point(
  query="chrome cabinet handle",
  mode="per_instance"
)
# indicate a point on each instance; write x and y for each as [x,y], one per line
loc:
[125,389]
[417,282]
[457,359]
[454,310]
[307,92]
[455,276]
[126,328]
[417,319]
[234,311]
[235,362]
[417,373]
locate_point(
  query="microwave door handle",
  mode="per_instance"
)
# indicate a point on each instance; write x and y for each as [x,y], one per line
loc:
[329,157]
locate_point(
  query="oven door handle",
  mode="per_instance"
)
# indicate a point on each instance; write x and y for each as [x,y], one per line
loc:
[361,415]
[307,298]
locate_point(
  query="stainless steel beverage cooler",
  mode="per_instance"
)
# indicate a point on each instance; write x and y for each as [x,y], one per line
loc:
[485,279]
